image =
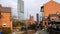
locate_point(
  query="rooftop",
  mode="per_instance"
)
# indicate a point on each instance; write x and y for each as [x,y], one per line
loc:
[5,9]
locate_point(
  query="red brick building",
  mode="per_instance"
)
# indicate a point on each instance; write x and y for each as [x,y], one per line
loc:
[30,21]
[51,8]
[5,15]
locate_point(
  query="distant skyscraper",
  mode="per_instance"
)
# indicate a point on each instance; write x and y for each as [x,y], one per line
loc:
[37,17]
[20,10]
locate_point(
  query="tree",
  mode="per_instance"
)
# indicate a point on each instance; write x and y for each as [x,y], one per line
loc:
[22,24]
[6,31]
[32,26]
[15,23]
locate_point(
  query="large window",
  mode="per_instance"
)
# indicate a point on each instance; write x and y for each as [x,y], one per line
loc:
[45,23]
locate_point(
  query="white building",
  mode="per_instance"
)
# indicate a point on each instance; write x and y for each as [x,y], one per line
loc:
[41,13]
[20,10]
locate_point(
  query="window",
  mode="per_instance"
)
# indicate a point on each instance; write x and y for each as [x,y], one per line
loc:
[52,19]
[45,23]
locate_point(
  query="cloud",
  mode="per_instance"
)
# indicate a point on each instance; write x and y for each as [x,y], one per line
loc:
[12,4]
[33,7]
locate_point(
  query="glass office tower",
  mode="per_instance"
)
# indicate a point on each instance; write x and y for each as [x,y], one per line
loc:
[20,10]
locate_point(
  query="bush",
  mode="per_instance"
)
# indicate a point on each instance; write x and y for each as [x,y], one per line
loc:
[22,24]
[6,31]
[15,24]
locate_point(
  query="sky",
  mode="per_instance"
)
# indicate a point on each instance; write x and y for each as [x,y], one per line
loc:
[31,7]
[10,3]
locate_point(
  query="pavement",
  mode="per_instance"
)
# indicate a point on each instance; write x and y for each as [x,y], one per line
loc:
[41,32]
[44,32]
[21,32]
[38,32]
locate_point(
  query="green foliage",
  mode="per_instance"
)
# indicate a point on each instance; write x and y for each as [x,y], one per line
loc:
[15,24]
[18,23]
[22,24]
[7,31]
[33,26]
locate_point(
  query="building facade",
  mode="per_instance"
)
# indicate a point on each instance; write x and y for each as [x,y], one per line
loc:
[51,11]
[30,21]
[20,10]
[51,8]
[5,15]
[41,13]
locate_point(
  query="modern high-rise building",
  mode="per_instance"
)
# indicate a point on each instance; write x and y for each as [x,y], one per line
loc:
[37,17]
[41,13]
[20,10]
